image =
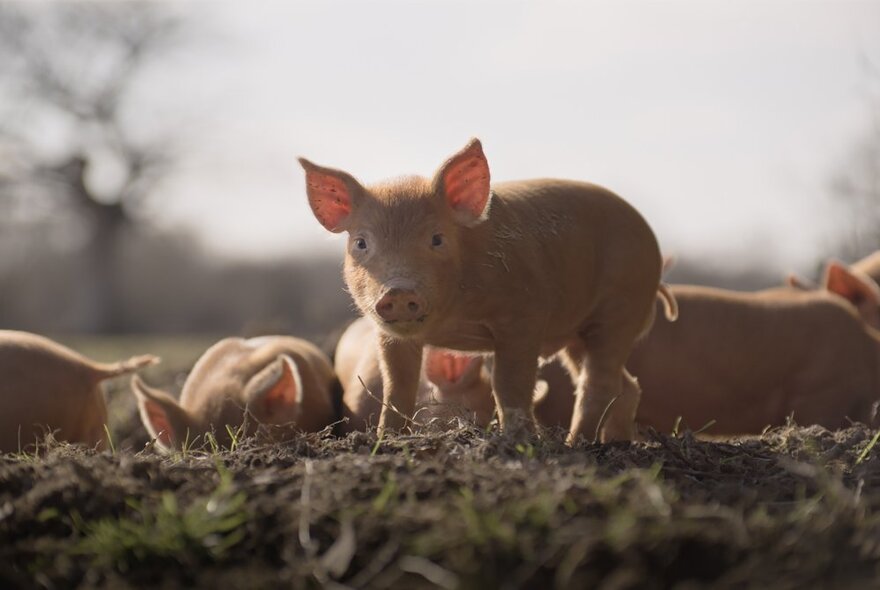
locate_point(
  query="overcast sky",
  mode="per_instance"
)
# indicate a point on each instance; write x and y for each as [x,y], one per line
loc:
[721,121]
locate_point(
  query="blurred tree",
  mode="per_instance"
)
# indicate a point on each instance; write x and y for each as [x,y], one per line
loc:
[856,186]
[72,140]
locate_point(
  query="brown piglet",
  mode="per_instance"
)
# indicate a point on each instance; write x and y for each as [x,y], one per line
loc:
[744,361]
[283,383]
[46,387]
[451,385]
[518,269]
[737,362]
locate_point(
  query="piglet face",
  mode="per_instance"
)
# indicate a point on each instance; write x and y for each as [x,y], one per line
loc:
[405,248]
[460,380]
[231,390]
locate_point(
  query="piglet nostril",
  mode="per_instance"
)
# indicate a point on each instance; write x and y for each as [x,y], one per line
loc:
[413,306]
[385,308]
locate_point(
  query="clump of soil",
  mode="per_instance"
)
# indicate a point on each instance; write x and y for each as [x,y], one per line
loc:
[457,509]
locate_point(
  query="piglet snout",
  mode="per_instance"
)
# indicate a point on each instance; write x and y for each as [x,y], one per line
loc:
[401,305]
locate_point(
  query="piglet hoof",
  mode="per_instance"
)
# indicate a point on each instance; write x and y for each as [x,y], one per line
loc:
[618,434]
[576,437]
[517,424]
[390,423]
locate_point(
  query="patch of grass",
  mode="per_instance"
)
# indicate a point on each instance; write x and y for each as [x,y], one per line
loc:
[212,443]
[383,500]
[206,529]
[864,454]
[110,442]
[376,446]
[527,450]
[234,436]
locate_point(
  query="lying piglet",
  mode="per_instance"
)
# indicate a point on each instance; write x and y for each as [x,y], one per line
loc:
[519,269]
[284,383]
[451,384]
[46,387]
[749,360]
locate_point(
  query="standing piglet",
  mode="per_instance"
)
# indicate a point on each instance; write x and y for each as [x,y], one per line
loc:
[284,383]
[520,269]
[451,385]
[46,387]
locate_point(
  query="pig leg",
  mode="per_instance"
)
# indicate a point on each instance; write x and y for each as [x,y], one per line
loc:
[599,383]
[362,402]
[513,383]
[401,363]
[622,416]
[598,386]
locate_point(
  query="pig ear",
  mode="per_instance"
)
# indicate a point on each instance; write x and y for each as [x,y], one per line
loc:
[331,194]
[852,285]
[444,367]
[273,395]
[463,180]
[162,416]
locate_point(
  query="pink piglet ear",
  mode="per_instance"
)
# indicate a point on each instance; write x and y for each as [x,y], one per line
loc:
[463,181]
[331,195]
[162,416]
[274,394]
[857,288]
[445,367]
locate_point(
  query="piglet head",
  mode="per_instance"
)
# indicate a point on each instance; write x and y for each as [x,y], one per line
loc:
[857,288]
[405,236]
[461,380]
[271,398]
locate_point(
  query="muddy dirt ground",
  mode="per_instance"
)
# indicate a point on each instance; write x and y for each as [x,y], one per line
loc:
[794,508]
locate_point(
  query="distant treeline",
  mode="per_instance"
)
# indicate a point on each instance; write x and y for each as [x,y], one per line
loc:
[166,283]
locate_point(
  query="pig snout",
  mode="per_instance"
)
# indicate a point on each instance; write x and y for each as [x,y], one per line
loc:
[401,305]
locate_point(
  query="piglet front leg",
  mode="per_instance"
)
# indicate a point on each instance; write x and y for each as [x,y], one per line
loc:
[513,383]
[400,362]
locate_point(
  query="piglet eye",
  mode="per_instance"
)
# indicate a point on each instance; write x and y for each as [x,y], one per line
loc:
[437,240]
[360,244]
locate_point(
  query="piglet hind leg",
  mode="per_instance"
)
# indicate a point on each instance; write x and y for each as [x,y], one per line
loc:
[513,384]
[621,420]
[598,390]
[400,362]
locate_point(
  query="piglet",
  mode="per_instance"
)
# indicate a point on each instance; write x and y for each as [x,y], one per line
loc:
[518,269]
[737,362]
[746,360]
[47,387]
[451,385]
[284,383]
